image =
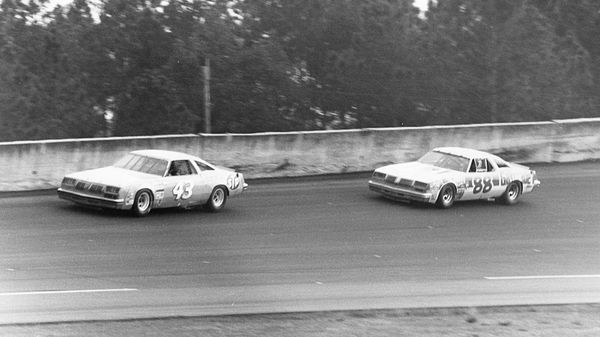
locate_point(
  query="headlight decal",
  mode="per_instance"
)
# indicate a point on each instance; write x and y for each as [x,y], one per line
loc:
[421,186]
[69,181]
[378,175]
[112,189]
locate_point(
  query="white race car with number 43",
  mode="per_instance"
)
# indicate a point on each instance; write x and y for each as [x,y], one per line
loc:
[147,179]
[447,174]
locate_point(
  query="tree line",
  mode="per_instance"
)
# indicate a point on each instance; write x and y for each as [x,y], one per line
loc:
[135,67]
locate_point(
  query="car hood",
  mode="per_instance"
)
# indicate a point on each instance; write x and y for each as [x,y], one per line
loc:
[425,173]
[110,175]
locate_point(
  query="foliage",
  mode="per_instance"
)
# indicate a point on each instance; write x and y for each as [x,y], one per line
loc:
[291,64]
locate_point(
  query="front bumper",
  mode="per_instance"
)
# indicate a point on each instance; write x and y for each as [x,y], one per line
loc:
[399,193]
[88,200]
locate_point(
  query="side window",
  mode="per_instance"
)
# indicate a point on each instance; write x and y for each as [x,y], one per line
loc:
[490,167]
[472,168]
[202,166]
[181,168]
[481,165]
[191,168]
[501,163]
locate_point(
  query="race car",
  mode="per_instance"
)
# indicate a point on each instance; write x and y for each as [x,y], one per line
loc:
[447,174]
[147,179]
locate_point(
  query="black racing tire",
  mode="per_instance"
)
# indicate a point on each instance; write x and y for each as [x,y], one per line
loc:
[217,199]
[142,204]
[512,193]
[446,197]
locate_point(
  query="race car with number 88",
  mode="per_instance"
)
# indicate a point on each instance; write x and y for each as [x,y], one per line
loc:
[448,174]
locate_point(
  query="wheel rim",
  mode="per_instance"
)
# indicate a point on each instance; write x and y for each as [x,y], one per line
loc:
[447,196]
[218,197]
[513,192]
[143,201]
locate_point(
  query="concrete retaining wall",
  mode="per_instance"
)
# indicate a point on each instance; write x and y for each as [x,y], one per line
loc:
[42,164]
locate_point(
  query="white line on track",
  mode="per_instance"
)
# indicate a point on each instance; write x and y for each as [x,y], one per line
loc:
[52,292]
[534,277]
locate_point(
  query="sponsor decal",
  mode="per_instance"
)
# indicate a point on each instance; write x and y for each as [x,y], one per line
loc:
[159,196]
[233,182]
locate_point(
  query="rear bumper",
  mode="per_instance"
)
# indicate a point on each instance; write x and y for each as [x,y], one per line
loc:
[88,200]
[531,187]
[399,193]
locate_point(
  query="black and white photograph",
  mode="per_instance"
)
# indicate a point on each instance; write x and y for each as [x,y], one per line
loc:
[299,168]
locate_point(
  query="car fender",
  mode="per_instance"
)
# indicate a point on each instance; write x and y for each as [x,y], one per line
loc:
[157,190]
[232,181]
[436,187]
[159,194]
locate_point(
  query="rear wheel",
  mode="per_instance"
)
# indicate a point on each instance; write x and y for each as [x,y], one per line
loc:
[512,193]
[142,204]
[446,197]
[217,199]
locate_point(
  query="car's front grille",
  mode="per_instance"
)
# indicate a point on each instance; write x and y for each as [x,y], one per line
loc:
[89,187]
[402,182]
[97,189]
[81,186]
[405,182]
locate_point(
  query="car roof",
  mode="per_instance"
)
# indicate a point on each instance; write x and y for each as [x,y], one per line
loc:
[465,152]
[165,155]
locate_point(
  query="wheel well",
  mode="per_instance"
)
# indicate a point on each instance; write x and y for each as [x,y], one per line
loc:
[520,184]
[149,192]
[134,207]
[444,185]
[224,187]
[451,185]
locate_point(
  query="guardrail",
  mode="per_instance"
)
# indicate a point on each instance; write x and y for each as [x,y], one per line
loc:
[31,165]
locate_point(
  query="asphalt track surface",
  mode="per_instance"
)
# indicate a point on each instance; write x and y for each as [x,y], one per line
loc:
[301,245]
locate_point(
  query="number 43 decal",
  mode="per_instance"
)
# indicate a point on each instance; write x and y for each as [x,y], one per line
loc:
[183,190]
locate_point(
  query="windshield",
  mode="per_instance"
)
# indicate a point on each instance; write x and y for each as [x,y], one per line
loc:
[445,160]
[143,164]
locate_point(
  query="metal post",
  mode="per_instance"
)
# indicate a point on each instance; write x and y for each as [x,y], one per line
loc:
[207,121]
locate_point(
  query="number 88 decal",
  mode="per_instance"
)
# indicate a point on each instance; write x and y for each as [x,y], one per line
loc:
[482,185]
[183,190]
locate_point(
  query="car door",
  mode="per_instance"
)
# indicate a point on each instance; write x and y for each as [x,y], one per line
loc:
[482,180]
[179,184]
[497,182]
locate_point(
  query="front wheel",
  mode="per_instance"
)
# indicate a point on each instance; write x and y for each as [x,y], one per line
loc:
[142,204]
[446,197]
[512,193]
[217,199]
